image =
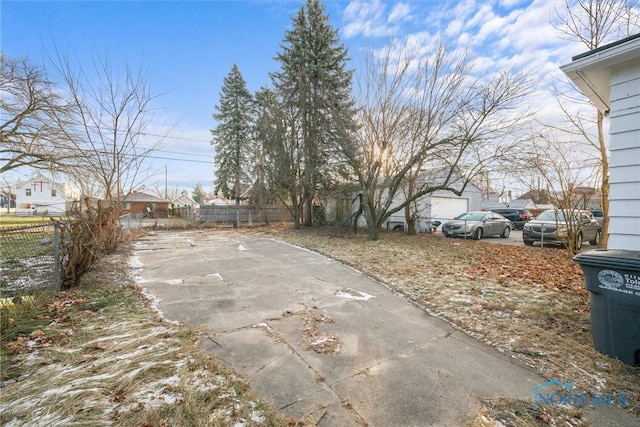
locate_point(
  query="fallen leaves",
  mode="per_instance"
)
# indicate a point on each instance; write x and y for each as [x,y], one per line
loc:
[548,267]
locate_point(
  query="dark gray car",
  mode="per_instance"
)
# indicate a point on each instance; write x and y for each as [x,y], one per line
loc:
[551,227]
[477,224]
[518,217]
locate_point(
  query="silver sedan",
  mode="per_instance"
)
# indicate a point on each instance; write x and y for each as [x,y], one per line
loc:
[475,225]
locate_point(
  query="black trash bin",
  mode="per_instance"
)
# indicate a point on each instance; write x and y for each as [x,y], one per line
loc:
[613,280]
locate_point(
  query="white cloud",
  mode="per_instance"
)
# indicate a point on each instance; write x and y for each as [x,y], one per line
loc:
[364,18]
[480,16]
[400,12]
[371,19]
[454,28]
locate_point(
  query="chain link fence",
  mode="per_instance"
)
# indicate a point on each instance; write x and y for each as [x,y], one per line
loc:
[29,259]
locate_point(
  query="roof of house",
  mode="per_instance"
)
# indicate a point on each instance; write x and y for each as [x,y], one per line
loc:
[185,199]
[591,71]
[138,196]
[218,202]
[40,178]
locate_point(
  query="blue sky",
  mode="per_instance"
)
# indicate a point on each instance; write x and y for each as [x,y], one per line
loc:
[188,47]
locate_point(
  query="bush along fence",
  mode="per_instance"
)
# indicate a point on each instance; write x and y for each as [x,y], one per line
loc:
[56,255]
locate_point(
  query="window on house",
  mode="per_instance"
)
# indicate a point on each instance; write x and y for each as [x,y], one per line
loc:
[54,193]
[28,193]
[127,205]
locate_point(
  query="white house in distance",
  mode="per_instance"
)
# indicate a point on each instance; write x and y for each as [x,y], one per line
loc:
[40,195]
[185,206]
[184,200]
[610,77]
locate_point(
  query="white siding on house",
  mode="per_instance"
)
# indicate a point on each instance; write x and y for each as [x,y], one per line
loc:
[41,196]
[624,175]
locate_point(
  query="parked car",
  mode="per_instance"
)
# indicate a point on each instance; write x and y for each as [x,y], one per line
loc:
[599,215]
[518,217]
[477,224]
[551,227]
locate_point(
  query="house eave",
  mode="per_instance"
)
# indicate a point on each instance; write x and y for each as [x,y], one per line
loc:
[591,71]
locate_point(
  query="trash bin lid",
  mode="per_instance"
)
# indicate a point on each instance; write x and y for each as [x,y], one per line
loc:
[618,258]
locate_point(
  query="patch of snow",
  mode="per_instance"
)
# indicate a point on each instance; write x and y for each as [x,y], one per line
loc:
[134,262]
[257,417]
[242,248]
[262,325]
[108,338]
[353,294]
[174,282]
[154,301]
[215,275]
[323,340]
[140,351]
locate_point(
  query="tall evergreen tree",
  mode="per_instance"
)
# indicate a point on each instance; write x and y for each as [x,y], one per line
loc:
[232,136]
[276,134]
[316,86]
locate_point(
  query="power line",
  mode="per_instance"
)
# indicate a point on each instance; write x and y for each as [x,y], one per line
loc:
[176,137]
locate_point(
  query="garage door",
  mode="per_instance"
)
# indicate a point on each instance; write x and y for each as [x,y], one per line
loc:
[448,207]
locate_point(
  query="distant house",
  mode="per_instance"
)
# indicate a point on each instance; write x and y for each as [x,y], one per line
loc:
[610,77]
[184,206]
[138,203]
[185,201]
[40,195]
[219,202]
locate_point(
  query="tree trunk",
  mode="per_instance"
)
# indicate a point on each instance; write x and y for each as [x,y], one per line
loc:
[308,209]
[410,219]
[373,231]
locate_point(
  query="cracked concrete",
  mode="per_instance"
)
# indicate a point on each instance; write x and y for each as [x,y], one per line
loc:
[395,365]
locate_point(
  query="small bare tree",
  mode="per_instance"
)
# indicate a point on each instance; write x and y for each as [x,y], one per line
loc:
[560,166]
[112,110]
[422,109]
[594,23]
[33,118]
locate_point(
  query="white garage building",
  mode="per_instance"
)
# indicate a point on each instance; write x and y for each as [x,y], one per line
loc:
[441,205]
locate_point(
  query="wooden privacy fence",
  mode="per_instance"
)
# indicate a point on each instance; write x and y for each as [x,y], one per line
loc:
[244,215]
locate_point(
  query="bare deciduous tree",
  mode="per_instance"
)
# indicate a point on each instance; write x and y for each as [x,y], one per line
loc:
[421,109]
[33,118]
[112,110]
[594,23]
[561,168]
